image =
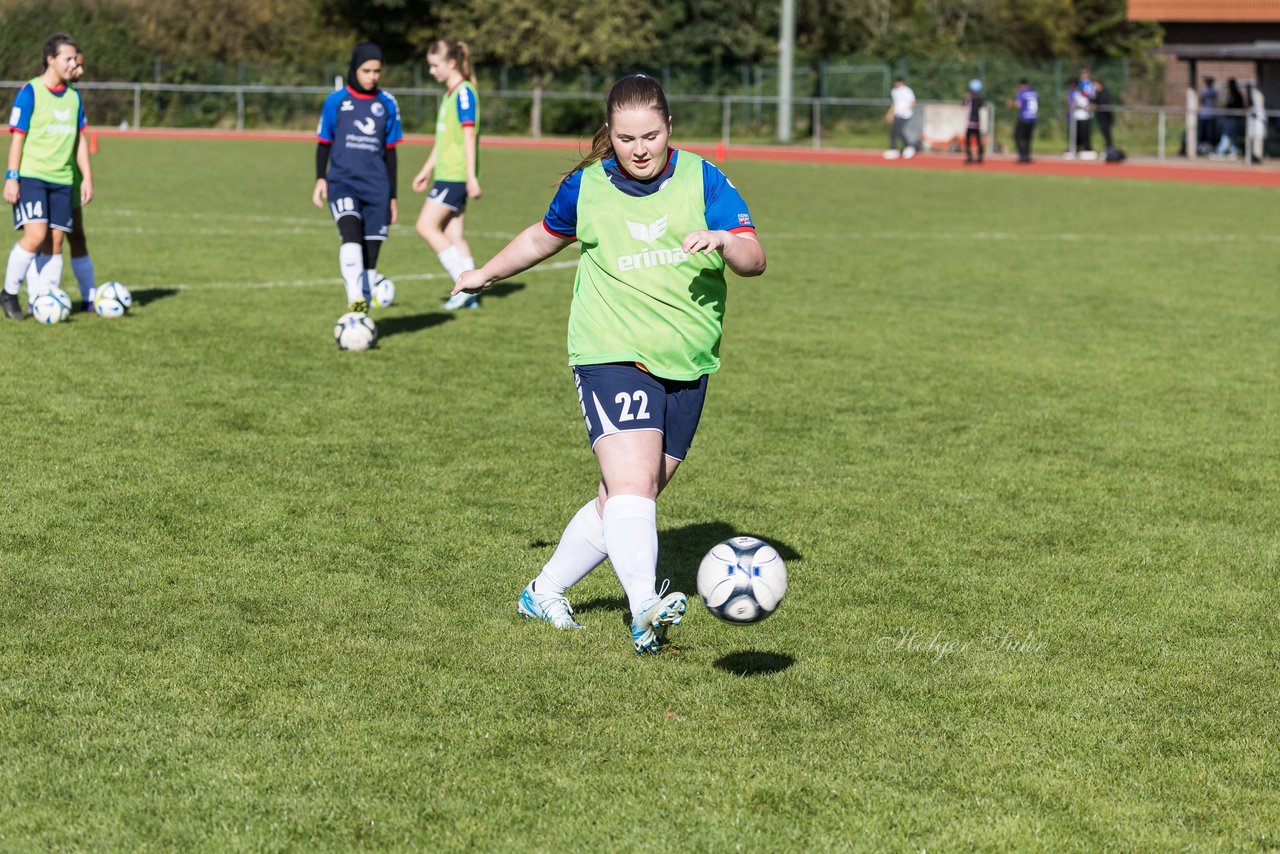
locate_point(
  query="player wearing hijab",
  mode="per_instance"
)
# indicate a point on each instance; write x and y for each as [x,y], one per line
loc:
[356,169]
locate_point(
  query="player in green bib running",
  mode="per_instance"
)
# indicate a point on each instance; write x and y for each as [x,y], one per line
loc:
[454,163]
[45,127]
[657,226]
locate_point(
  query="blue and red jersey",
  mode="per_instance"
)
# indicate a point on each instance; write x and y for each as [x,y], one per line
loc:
[360,128]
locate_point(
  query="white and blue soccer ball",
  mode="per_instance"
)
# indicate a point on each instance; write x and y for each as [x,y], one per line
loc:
[111,300]
[52,307]
[383,292]
[742,580]
[355,331]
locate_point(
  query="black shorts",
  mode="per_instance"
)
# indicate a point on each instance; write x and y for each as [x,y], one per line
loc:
[618,397]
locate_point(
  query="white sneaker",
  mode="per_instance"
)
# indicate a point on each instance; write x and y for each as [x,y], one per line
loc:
[462,300]
[891,154]
[554,609]
[908,152]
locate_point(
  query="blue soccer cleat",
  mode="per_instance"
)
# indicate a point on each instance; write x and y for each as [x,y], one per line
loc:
[554,609]
[462,300]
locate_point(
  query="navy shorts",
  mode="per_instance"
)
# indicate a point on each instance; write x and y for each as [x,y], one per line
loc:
[451,194]
[40,201]
[618,397]
[375,213]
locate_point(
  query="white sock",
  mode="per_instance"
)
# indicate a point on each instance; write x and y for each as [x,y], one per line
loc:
[19,262]
[580,550]
[468,263]
[351,262]
[451,259]
[34,271]
[631,534]
[51,275]
[83,268]
[370,277]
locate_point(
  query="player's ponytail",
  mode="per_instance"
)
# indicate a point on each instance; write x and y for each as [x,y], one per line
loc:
[635,91]
[463,53]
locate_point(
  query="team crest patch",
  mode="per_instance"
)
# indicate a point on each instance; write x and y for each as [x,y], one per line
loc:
[744,219]
[377,109]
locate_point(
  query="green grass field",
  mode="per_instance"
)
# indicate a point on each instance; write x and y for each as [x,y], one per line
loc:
[1016,437]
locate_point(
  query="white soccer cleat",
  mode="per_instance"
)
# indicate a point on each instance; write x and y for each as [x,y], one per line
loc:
[908,152]
[649,627]
[891,154]
[554,609]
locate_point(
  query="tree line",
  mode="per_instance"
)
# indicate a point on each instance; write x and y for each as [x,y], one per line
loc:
[128,39]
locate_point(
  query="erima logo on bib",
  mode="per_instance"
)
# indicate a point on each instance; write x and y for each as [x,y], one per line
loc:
[648,233]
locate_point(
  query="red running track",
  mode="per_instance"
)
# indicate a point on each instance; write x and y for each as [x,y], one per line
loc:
[1135,170]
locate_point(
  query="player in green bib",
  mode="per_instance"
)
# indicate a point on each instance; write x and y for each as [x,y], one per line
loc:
[45,128]
[454,164]
[40,276]
[658,226]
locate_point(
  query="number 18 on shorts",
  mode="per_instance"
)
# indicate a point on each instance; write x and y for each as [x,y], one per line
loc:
[620,397]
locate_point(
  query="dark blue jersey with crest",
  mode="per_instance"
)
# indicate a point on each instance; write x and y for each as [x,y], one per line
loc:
[360,128]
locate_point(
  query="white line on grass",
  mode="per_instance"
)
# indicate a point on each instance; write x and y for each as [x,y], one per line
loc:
[319,222]
[1061,237]
[334,280]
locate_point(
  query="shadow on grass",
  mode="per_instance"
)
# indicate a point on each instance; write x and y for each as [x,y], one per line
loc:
[149,295]
[747,663]
[503,290]
[604,603]
[682,549]
[388,326]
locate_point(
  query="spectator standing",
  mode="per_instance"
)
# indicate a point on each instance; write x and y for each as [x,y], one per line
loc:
[1080,109]
[900,113]
[1232,121]
[1027,103]
[1102,108]
[1207,117]
[973,104]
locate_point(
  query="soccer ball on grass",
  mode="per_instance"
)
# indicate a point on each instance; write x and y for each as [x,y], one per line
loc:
[355,331]
[52,307]
[384,292]
[111,300]
[742,580]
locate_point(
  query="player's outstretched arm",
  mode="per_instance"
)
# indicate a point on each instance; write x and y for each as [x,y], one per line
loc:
[742,251]
[531,246]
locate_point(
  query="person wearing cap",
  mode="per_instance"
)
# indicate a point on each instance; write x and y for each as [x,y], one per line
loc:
[973,103]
